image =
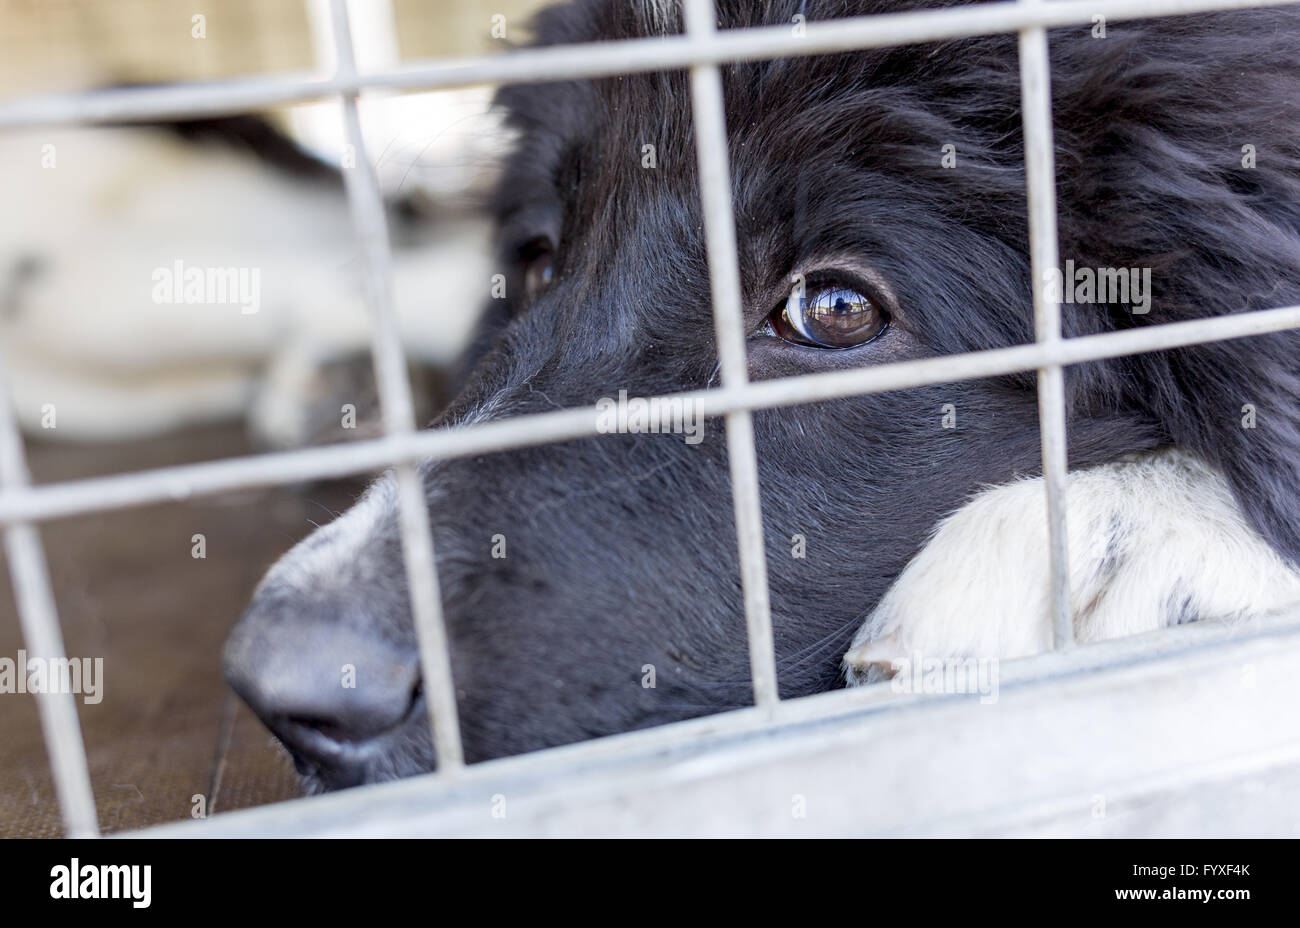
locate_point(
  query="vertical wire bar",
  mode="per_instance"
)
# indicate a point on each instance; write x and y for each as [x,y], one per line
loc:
[40,624]
[1040,179]
[728,321]
[399,418]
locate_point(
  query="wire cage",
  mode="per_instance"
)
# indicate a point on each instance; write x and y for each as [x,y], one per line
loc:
[720,774]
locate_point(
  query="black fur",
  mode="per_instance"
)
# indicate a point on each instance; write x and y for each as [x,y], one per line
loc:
[621,549]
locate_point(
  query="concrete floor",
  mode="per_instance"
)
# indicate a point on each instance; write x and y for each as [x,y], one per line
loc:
[129,591]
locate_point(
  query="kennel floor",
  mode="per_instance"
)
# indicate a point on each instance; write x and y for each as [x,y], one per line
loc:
[129,590]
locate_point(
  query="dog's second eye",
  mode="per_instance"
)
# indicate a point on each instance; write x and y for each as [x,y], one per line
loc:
[828,317]
[539,268]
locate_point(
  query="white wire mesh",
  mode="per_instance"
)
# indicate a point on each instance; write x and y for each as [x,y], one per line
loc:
[701,49]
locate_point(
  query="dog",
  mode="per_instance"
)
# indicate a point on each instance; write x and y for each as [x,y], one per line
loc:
[258,320]
[592,586]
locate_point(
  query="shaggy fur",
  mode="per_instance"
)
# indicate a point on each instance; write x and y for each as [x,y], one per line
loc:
[621,550]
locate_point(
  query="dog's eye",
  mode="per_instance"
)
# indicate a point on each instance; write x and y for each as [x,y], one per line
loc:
[828,317]
[539,266]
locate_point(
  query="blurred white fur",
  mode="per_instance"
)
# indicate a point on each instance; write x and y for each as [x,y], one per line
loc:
[1153,541]
[81,334]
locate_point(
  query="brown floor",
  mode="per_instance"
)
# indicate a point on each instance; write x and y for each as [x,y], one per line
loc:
[129,591]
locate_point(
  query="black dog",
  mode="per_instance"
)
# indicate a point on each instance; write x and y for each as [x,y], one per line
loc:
[1177,150]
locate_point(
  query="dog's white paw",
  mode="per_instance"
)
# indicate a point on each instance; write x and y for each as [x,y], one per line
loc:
[1153,541]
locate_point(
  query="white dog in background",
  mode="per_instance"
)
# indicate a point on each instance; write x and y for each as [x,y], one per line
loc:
[106,332]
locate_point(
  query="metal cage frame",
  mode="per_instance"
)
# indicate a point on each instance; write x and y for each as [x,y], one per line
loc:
[723,766]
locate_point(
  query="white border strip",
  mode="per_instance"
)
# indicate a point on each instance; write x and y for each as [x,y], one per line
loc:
[735,772]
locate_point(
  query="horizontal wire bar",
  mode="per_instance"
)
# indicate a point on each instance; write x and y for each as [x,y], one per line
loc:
[597,59]
[99,494]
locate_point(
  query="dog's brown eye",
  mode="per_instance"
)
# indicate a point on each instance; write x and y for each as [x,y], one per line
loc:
[828,317]
[539,268]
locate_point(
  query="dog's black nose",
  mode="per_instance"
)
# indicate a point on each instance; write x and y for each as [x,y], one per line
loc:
[334,695]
